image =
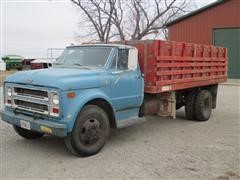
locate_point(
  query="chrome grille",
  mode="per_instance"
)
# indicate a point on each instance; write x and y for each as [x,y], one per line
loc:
[31,92]
[31,106]
[31,99]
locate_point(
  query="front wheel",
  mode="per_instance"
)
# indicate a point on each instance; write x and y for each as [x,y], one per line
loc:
[27,134]
[90,132]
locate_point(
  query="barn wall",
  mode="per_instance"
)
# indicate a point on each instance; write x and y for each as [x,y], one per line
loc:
[198,28]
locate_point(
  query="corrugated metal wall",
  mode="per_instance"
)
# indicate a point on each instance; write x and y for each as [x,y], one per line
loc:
[199,28]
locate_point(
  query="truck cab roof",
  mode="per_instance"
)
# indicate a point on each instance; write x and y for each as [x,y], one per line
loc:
[102,45]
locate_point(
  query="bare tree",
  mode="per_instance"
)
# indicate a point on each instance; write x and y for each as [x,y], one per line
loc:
[130,19]
[116,17]
[96,17]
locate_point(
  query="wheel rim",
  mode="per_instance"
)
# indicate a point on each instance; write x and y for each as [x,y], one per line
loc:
[91,132]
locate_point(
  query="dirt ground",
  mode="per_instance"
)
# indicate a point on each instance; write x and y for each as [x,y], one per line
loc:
[160,148]
[4,74]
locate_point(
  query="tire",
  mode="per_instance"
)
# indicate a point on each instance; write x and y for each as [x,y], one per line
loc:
[27,134]
[90,132]
[69,146]
[189,106]
[203,105]
[179,105]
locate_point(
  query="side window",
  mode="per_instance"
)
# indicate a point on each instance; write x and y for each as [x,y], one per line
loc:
[113,66]
[122,60]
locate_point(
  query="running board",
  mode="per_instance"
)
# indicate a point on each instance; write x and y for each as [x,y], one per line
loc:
[130,122]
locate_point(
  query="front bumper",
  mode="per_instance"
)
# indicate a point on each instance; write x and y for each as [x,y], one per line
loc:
[38,125]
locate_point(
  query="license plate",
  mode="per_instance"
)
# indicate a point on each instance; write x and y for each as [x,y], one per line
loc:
[25,124]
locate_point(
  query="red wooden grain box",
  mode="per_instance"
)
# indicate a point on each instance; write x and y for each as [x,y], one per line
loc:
[169,65]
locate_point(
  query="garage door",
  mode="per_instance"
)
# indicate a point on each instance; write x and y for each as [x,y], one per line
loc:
[230,38]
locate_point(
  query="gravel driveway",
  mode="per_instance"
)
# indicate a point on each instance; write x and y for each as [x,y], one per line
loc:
[159,148]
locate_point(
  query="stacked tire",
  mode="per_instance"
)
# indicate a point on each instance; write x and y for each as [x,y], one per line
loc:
[198,105]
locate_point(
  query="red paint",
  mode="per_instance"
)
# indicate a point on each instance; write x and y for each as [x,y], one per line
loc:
[9,101]
[36,65]
[170,65]
[199,27]
[55,110]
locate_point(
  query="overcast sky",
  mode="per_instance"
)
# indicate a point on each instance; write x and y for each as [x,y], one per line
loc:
[29,27]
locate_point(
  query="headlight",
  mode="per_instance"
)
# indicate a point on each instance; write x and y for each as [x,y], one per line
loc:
[9,92]
[55,99]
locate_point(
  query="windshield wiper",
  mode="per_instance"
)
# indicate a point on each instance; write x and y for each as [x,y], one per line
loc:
[57,64]
[78,64]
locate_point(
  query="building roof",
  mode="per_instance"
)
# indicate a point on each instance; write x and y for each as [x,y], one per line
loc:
[195,12]
[43,60]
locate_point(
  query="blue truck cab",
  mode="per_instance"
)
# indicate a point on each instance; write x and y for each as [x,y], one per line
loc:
[90,89]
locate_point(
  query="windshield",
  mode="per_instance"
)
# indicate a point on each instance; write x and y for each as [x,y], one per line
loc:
[84,56]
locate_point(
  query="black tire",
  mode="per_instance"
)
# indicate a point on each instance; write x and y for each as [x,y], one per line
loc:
[189,106]
[179,105]
[27,134]
[90,132]
[69,146]
[203,105]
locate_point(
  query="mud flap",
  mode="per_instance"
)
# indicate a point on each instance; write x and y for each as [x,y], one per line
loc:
[167,104]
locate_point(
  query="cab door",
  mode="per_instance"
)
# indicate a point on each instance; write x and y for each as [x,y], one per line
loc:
[126,84]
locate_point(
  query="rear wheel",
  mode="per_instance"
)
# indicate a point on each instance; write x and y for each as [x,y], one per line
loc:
[189,106]
[203,105]
[179,105]
[27,134]
[90,132]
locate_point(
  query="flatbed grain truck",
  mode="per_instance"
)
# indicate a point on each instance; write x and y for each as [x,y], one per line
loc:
[95,87]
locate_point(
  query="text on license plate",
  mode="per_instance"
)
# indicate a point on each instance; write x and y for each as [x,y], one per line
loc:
[25,124]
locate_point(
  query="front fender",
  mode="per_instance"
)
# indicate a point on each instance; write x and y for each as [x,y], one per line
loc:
[74,106]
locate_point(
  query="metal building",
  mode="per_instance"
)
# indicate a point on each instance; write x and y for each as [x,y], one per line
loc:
[217,23]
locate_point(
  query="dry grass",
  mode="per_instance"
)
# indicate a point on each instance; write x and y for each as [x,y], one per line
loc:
[4,74]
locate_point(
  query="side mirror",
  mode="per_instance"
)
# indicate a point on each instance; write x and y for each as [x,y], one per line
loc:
[133,58]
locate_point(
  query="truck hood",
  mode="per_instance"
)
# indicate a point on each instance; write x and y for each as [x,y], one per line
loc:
[61,78]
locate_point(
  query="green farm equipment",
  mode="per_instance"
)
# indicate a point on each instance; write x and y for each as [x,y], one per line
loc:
[13,62]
